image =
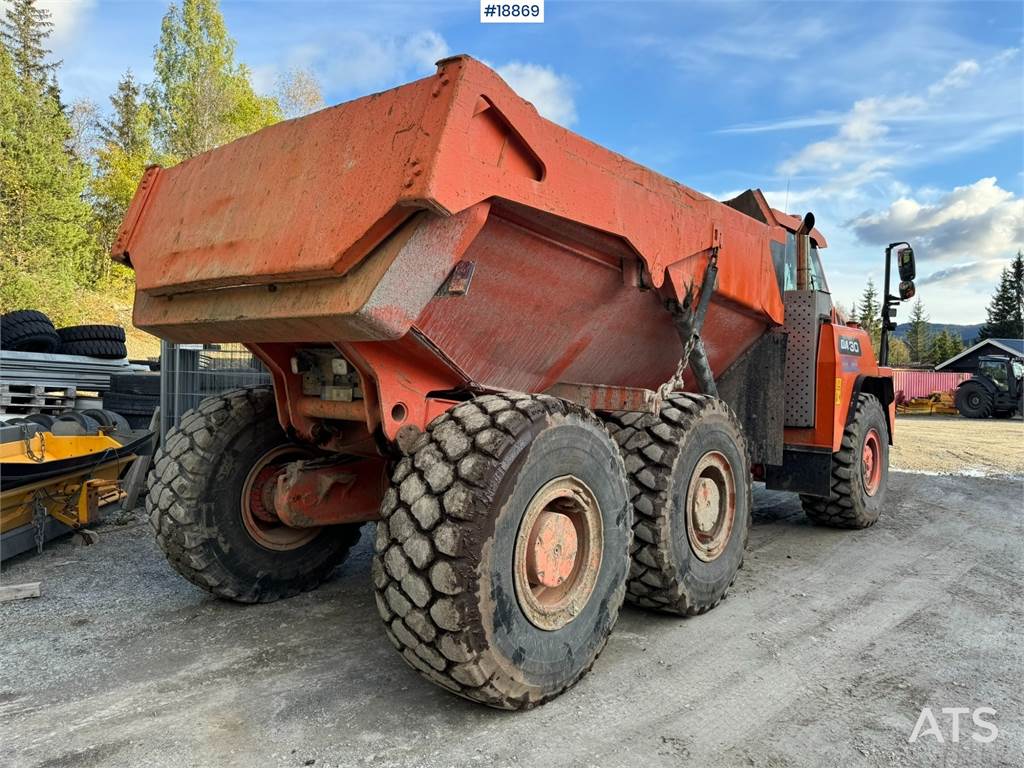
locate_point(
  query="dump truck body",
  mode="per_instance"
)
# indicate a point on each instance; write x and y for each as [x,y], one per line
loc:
[446,288]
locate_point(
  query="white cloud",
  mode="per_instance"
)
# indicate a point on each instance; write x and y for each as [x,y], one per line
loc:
[976,223]
[957,77]
[548,91]
[425,48]
[360,61]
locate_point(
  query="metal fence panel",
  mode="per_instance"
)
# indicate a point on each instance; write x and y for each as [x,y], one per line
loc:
[917,383]
[191,372]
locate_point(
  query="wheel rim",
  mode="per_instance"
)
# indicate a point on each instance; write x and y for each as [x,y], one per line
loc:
[974,400]
[257,503]
[872,461]
[710,506]
[558,552]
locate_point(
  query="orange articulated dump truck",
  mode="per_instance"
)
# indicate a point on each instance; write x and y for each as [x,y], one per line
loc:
[549,374]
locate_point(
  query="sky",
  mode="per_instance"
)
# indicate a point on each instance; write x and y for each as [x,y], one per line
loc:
[889,120]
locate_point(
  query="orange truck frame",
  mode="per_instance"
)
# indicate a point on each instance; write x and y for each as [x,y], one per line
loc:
[549,374]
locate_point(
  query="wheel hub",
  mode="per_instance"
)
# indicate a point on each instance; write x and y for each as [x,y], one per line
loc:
[257,502]
[551,555]
[557,555]
[871,460]
[710,506]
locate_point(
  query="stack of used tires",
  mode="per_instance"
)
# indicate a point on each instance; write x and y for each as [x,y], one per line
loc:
[27,330]
[135,396]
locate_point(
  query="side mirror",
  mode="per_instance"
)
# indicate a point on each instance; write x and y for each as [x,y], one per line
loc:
[908,269]
[907,289]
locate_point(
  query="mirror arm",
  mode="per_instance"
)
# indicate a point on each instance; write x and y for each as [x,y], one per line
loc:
[883,347]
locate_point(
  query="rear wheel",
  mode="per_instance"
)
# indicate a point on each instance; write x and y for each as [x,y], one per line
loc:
[211,504]
[690,488]
[973,401]
[860,472]
[502,555]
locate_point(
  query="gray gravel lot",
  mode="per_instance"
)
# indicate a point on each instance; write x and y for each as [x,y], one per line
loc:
[824,654]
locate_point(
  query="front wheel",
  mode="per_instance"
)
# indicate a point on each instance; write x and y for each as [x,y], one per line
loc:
[860,472]
[210,502]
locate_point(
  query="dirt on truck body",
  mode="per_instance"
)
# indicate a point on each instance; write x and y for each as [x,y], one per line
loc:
[549,373]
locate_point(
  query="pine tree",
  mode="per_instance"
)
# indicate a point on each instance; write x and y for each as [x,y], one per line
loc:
[24,30]
[122,158]
[201,98]
[46,243]
[1006,310]
[870,318]
[919,337]
[941,348]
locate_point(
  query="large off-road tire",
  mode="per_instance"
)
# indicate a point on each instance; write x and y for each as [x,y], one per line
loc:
[974,401]
[460,596]
[91,333]
[103,349]
[27,330]
[860,472]
[140,383]
[692,447]
[203,490]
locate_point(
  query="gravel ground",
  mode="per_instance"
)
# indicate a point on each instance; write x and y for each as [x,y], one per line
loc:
[955,445]
[825,653]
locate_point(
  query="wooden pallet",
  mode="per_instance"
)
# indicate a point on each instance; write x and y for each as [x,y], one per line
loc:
[24,398]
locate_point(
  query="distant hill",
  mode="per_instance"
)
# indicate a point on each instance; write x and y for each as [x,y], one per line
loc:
[967,332]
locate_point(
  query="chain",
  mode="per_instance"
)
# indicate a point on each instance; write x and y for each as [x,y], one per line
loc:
[676,382]
[41,457]
[39,520]
[686,319]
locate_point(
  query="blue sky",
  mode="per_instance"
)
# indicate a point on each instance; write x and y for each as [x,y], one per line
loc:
[889,120]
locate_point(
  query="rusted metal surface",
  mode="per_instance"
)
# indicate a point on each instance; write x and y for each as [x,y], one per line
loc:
[710,505]
[259,515]
[314,493]
[352,173]
[557,554]
[314,407]
[601,398]
[344,226]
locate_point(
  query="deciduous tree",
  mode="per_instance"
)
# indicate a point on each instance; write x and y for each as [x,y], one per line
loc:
[201,98]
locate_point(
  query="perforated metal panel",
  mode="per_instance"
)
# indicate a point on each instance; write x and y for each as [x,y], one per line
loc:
[804,312]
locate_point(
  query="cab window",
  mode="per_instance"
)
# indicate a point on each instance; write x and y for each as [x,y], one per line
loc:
[995,371]
[784,260]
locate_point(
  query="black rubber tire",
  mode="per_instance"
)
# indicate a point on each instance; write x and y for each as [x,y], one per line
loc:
[136,384]
[661,452]
[443,560]
[130,405]
[974,401]
[44,420]
[104,350]
[194,505]
[108,418]
[74,423]
[1005,414]
[849,505]
[27,330]
[91,333]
